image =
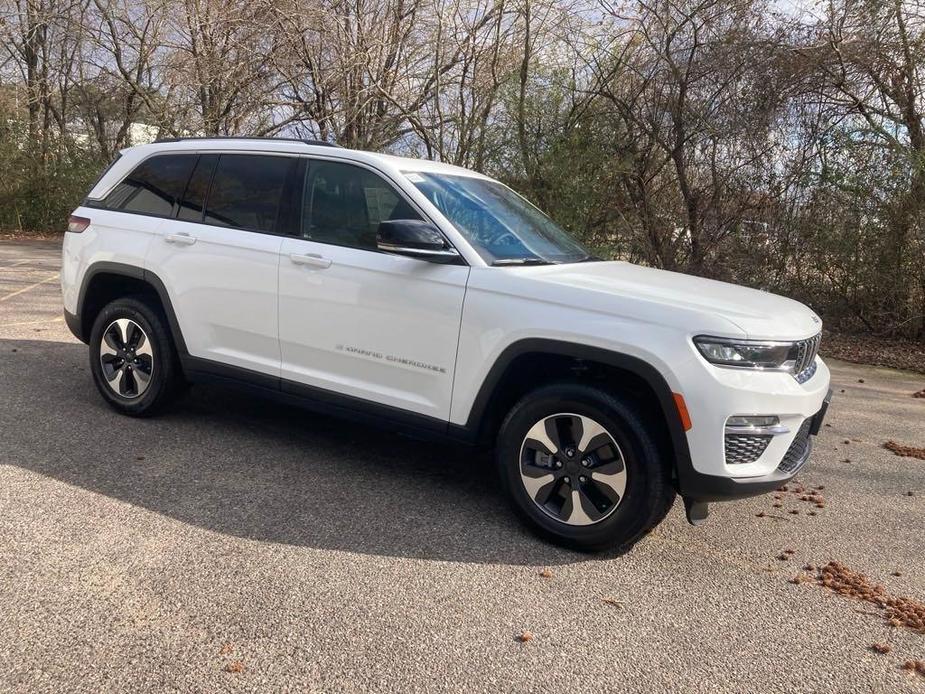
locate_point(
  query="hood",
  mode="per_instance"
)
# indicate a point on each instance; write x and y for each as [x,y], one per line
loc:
[760,315]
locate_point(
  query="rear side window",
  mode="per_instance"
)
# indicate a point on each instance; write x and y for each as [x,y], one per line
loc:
[194,199]
[247,190]
[154,186]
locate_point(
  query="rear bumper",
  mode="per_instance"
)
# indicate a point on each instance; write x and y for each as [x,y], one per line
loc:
[696,486]
[73,324]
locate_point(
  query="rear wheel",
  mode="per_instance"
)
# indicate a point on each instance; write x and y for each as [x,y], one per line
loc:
[132,357]
[581,467]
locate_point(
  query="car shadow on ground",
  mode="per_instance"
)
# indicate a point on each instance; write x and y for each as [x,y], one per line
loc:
[232,463]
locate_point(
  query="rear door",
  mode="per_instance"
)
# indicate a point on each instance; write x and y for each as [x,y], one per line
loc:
[358,321]
[131,214]
[219,258]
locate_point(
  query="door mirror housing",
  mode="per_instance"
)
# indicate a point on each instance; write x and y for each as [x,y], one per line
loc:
[414,238]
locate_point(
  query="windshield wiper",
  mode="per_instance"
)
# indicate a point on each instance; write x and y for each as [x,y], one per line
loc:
[520,261]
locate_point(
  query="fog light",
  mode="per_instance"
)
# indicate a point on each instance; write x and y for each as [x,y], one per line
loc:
[748,436]
[765,425]
[752,421]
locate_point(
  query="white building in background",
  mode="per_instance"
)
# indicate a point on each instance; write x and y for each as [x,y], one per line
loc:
[142,133]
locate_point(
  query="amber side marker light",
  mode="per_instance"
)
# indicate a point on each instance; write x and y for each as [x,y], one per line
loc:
[682,411]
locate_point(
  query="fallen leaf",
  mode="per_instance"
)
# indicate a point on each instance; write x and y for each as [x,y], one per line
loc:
[896,353]
[897,611]
[546,573]
[905,451]
[234,666]
[524,636]
[881,647]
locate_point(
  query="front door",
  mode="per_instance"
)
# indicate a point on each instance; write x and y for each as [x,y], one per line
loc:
[358,321]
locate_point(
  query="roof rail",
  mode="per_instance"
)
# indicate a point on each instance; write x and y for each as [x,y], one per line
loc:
[320,143]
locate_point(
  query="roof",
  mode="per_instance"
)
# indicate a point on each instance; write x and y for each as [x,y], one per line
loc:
[388,162]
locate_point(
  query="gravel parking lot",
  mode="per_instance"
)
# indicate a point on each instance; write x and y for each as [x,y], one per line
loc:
[239,545]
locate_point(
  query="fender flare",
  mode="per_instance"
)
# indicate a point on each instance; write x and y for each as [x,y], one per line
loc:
[640,368]
[103,267]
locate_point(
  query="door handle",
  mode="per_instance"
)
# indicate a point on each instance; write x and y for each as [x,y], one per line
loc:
[181,239]
[310,259]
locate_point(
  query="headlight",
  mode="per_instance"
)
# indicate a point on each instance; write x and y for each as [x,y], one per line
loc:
[777,356]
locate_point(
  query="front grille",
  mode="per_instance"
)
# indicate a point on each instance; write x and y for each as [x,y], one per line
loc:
[745,448]
[799,450]
[805,357]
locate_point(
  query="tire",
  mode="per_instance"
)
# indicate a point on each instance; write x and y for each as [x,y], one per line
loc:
[149,376]
[623,490]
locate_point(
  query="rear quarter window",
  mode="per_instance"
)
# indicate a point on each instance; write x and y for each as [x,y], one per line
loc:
[154,186]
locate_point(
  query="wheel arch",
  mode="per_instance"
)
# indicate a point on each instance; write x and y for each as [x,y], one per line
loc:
[516,369]
[105,281]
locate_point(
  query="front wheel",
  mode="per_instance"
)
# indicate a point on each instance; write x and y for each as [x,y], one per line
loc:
[581,467]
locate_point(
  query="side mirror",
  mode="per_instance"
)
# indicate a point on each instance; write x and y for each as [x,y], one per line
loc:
[414,238]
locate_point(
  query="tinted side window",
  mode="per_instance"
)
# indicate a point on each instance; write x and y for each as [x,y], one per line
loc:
[246,191]
[154,186]
[194,198]
[344,205]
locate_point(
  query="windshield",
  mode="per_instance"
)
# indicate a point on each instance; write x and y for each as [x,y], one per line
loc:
[503,227]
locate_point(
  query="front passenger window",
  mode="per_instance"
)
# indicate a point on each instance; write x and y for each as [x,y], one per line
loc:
[344,205]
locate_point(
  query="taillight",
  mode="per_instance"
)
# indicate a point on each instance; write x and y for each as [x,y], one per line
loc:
[77,224]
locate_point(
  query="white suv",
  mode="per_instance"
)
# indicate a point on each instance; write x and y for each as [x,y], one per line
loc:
[435,299]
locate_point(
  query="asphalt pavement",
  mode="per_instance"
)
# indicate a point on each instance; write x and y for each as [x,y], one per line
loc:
[238,545]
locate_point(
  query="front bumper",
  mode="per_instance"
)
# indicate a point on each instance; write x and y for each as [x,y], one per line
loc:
[700,487]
